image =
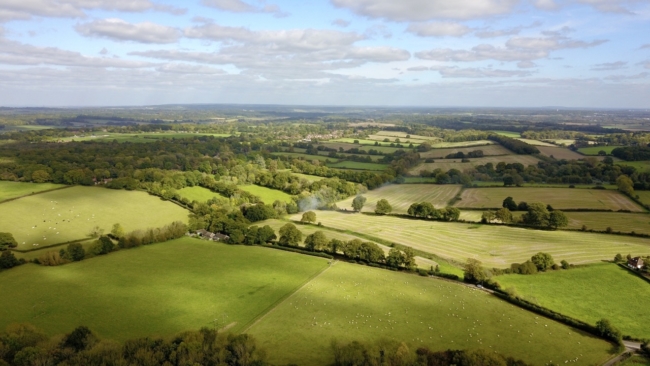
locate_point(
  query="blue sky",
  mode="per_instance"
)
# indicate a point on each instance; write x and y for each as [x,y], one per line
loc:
[502,53]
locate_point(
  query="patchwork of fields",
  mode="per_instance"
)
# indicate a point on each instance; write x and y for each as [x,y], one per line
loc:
[488,150]
[594,150]
[9,190]
[590,294]
[623,222]
[350,302]
[559,198]
[358,166]
[447,164]
[401,196]
[494,245]
[560,153]
[70,214]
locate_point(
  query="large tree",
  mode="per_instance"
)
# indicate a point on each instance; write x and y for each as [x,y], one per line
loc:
[309,216]
[383,207]
[537,215]
[510,204]
[358,202]
[542,261]
[316,241]
[474,272]
[290,235]
[7,241]
[625,184]
[504,215]
[557,219]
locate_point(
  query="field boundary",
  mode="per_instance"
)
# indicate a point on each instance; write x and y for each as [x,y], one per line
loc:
[35,193]
[635,272]
[23,251]
[284,298]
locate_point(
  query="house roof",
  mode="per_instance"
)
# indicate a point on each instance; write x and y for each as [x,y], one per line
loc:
[636,261]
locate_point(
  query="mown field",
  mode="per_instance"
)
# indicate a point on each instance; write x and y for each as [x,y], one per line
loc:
[402,135]
[562,142]
[644,196]
[447,145]
[560,153]
[623,222]
[358,166]
[488,150]
[117,296]
[70,214]
[198,194]
[559,198]
[593,150]
[347,146]
[9,190]
[402,140]
[536,142]
[591,293]
[350,302]
[401,196]
[267,195]
[369,142]
[447,164]
[494,245]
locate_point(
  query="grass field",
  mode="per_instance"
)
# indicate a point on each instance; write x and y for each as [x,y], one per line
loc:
[644,196]
[367,142]
[560,153]
[561,142]
[559,198]
[198,194]
[140,137]
[447,164]
[347,146]
[401,196]
[595,149]
[640,166]
[510,134]
[448,145]
[267,195]
[636,360]
[160,289]
[4,160]
[307,177]
[536,142]
[402,136]
[358,166]
[494,245]
[591,293]
[402,140]
[350,302]
[70,214]
[623,222]
[307,157]
[488,150]
[9,190]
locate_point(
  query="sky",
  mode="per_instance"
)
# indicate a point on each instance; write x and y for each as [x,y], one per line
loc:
[454,53]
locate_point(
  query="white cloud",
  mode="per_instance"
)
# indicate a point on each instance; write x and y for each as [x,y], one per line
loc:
[611,6]
[239,6]
[456,72]
[609,66]
[641,75]
[439,29]
[421,10]
[341,23]
[25,9]
[548,5]
[120,30]
[494,33]
[418,68]
[526,64]
[183,68]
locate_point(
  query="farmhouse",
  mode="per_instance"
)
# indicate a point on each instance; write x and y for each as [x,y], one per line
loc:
[635,263]
[211,236]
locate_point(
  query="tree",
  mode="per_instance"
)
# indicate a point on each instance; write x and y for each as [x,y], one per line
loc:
[565,264]
[542,261]
[103,245]
[510,204]
[316,241]
[96,232]
[504,215]
[290,235]
[117,230]
[309,216]
[618,258]
[265,234]
[625,185]
[449,213]
[76,252]
[537,215]
[383,207]
[487,217]
[334,245]
[358,202]
[522,206]
[395,258]
[8,260]
[7,241]
[40,176]
[474,271]
[609,331]
[557,219]
[409,258]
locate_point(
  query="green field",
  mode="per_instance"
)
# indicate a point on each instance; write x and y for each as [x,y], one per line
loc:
[358,166]
[488,150]
[139,137]
[307,157]
[160,289]
[591,293]
[636,360]
[9,190]
[447,164]
[561,142]
[595,149]
[350,302]
[560,153]
[559,198]
[448,145]
[198,194]
[307,177]
[267,195]
[640,166]
[536,142]
[401,196]
[623,222]
[494,245]
[402,140]
[368,142]
[510,134]
[70,214]
[644,196]
[347,146]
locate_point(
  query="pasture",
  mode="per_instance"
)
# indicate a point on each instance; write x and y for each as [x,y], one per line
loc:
[70,214]
[347,146]
[644,196]
[448,145]
[137,138]
[9,190]
[560,142]
[623,222]
[267,195]
[368,142]
[590,293]
[536,142]
[488,150]
[198,194]
[447,164]
[308,157]
[559,198]
[160,289]
[402,140]
[402,135]
[350,302]
[593,150]
[401,196]
[494,245]
[358,165]
[640,166]
[510,134]
[307,177]
[560,153]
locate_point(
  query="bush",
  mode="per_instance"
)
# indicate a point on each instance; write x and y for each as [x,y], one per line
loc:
[76,252]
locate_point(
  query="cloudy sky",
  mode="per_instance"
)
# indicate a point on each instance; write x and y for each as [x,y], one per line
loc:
[509,53]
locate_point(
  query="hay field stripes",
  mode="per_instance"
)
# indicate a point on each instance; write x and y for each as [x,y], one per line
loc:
[402,140]
[535,142]
[559,198]
[350,302]
[494,245]
[401,196]
[560,153]
[488,150]
[446,145]
[69,214]
[623,222]
[447,164]
[355,165]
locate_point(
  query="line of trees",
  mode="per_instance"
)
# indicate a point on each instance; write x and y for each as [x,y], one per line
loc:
[428,211]
[516,146]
